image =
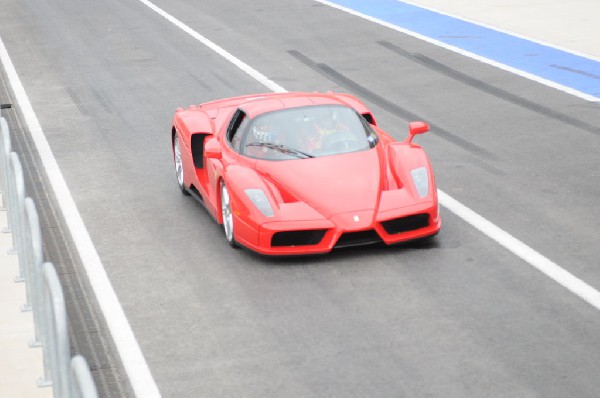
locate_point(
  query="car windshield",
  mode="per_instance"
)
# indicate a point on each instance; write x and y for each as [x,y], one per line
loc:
[307,132]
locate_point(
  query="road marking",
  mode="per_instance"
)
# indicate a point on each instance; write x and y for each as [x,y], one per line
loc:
[129,350]
[256,75]
[534,68]
[508,32]
[534,258]
[529,255]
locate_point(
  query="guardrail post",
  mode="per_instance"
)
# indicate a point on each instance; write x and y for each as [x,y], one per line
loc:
[34,272]
[17,210]
[5,150]
[5,163]
[82,382]
[57,344]
[47,335]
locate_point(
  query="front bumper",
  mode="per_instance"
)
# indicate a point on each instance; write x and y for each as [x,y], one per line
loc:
[342,230]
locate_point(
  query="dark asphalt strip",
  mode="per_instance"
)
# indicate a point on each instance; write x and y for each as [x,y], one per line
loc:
[490,89]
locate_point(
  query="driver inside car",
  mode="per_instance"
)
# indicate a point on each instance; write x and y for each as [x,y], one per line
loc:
[315,137]
[261,133]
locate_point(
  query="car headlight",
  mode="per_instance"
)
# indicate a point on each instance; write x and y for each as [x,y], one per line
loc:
[259,199]
[420,178]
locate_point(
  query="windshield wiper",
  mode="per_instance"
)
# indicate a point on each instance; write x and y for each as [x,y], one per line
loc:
[282,148]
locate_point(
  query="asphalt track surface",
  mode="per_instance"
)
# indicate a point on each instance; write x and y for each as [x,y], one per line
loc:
[460,317]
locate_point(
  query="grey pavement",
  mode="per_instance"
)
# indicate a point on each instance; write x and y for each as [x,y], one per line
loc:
[462,317]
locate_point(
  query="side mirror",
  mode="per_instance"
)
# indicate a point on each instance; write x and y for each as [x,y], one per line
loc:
[212,148]
[415,128]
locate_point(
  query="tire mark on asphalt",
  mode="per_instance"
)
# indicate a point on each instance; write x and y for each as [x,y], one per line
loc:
[103,102]
[488,88]
[225,82]
[576,71]
[75,97]
[201,82]
[397,110]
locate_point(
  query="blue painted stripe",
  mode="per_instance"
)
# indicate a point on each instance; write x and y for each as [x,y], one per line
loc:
[567,69]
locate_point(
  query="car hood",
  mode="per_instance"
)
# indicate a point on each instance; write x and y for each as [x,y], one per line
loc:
[331,185]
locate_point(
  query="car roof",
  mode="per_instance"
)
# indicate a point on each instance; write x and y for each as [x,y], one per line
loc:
[255,105]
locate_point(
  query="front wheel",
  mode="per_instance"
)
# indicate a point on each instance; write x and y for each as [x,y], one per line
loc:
[179,165]
[227,215]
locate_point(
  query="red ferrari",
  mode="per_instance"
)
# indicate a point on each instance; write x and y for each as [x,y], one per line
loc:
[303,173]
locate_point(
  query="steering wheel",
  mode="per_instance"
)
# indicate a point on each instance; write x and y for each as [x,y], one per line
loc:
[339,141]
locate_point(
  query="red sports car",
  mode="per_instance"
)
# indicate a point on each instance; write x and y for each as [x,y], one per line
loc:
[303,173]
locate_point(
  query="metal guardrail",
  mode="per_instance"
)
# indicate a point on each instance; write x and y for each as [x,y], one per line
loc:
[82,384]
[5,149]
[69,377]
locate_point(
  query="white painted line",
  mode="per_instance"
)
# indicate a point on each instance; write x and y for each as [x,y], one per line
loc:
[131,355]
[534,258]
[471,55]
[256,75]
[529,255]
[501,30]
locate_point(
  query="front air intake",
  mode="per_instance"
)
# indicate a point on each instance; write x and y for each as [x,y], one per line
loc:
[298,238]
[358,238]
[405,224]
